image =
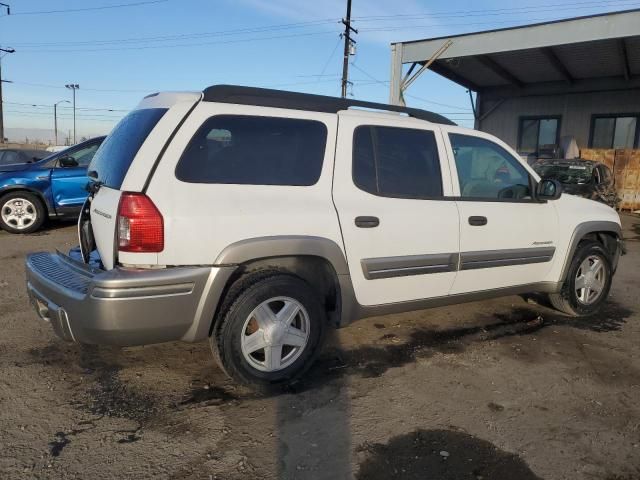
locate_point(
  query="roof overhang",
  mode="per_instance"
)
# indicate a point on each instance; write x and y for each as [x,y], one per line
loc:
[576,53]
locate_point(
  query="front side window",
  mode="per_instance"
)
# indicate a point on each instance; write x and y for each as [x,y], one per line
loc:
[396,162]
[538,136]
[488,171]
[251,150]
[615,131]
[84,155]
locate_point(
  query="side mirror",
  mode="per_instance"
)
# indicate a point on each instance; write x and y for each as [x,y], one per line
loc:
[67,162]
[549,189]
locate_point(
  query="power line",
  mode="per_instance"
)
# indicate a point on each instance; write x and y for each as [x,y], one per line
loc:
[69,115]
[87,9]
[188,36]
[77,108]
[514,22]
[412,96]
[497,11]
[147,47]
[43,85]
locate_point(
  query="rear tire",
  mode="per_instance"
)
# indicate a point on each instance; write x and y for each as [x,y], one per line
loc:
[588,281]
[271,333]
[21,212]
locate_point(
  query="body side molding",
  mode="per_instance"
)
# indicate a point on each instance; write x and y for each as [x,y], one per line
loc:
[503,258]
[389,267]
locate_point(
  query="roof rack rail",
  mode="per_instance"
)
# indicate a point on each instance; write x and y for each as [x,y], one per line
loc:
[265,97]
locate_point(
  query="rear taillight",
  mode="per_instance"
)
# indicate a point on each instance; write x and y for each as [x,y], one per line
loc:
[140,225]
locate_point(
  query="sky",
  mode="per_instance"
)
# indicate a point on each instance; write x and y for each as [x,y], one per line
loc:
[117,51]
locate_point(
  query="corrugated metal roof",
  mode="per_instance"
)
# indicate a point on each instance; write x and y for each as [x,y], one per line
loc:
[594,47]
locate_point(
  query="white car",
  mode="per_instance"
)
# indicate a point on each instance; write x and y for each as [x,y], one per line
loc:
[255,219]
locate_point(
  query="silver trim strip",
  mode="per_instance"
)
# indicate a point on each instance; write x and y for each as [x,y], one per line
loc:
[144,292]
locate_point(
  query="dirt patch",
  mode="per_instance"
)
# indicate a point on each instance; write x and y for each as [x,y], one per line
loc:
[441,454]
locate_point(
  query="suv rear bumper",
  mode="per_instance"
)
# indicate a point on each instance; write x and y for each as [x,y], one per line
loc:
[123,306]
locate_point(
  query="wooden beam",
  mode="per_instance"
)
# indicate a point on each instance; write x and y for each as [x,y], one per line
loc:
[499,70]
[622,48]
[557,64]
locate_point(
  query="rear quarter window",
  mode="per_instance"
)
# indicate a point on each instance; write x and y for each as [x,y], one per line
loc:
[113,159]
[252,150]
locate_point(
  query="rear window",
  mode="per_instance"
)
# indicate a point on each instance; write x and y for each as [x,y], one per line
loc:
[249,150]
[112,160]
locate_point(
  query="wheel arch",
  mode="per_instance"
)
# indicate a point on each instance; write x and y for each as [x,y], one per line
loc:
[317,260]
[608,233]
[22,188]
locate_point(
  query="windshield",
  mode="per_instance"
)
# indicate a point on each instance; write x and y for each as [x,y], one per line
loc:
[569,174]
[112,160]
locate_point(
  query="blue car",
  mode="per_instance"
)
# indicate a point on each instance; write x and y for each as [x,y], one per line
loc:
[53,187]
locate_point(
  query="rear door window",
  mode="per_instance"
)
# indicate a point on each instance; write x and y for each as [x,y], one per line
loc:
[396,162]
[112,160]
[252,150]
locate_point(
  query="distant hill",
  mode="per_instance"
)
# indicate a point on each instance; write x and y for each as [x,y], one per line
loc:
[39,135]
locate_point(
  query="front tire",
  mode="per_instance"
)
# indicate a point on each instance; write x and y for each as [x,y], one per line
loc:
[271,333]
[21,212]
[588,281]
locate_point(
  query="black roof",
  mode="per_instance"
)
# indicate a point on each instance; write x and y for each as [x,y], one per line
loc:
[265,97]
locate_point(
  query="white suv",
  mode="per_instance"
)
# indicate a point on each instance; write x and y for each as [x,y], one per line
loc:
[255,218]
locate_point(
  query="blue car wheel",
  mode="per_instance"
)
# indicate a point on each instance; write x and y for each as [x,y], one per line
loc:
[21,212]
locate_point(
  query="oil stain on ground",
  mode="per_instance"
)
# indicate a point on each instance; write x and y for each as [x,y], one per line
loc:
[57,445]
[109,396]
[441,454]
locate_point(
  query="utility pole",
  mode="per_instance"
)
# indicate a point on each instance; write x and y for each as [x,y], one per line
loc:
[6,51]
[348,43]
[74,87]
[55,117]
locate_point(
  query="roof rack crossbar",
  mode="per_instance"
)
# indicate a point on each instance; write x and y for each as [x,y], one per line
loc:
[265,97]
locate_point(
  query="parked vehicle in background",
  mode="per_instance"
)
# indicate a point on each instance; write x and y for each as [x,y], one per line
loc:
[585,178]
[13,156]
[53,187]
[255,219]
[57,148]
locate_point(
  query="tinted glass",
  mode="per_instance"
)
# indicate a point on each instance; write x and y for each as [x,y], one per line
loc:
[396,162]
[488,171]
[572,174]
[113,158]
[603,132]
[251,150]
[625,132]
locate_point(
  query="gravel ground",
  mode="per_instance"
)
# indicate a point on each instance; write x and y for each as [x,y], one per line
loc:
[501,389]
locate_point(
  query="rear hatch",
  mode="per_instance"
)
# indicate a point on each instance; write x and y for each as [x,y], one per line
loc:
[125,161]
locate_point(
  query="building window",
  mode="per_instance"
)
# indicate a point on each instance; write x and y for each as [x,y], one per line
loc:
[614,131]
[539,136]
